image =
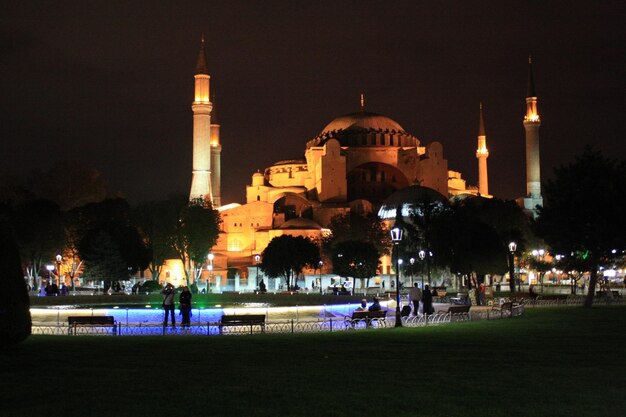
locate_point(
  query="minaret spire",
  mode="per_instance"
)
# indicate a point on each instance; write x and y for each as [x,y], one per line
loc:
[531,80]
[201,107]
[532,122]
[216,151]
[482,154]
[362,102]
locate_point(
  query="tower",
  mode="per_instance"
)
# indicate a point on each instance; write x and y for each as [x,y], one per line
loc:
[531,125]
[201,107]
[482,154]
[216,150]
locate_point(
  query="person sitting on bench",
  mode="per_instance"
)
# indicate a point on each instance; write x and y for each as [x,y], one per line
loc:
[363,306]
[375,305]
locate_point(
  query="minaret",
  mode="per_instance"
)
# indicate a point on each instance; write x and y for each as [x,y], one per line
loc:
[482,154]
[216,150]
[201,107]
[531,125]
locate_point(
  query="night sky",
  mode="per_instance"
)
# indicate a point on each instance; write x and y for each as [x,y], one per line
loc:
[111,83]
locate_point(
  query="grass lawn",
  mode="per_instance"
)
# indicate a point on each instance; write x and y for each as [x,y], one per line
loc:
[551,362]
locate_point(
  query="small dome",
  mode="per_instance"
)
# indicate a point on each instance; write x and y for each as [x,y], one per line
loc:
[300,223]
[408,198]
[362,121]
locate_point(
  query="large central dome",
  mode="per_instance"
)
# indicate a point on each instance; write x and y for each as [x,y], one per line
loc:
[365,129]
[362,120]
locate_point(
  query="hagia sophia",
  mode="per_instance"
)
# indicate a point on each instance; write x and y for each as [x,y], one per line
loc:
[357,162]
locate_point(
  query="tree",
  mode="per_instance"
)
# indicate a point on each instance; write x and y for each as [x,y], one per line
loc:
[84,229]
[506,218]
[39,229]
[356,259]
[157,221]
[583,212]
[467,245]
[15,321]
[103,258]
[194,235]
[286,256]
[352,227]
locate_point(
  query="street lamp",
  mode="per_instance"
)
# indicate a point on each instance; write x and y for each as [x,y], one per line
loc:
[422,255]
[396,237]
[512,249]
[257,259]
[321,263]
[412,261]
[210,257]
[59,258]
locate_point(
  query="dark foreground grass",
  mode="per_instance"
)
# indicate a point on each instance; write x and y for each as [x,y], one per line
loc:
[552,362]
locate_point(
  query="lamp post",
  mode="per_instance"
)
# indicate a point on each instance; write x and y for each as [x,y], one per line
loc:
[257,259]
[210,257]
[539,254]
[512,249]
[422,255]
[321,263]
[59,258]
[396,237]
[412,261]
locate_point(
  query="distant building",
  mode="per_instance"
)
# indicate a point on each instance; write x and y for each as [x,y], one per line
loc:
[356,162]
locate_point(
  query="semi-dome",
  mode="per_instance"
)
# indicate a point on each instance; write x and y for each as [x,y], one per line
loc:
[300,223]
[365,129]
[409,199]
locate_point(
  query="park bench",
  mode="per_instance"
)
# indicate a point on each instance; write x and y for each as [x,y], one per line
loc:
[91,321]
[243,320]
[365,316]
[509,309]
[461,298]
[459,312]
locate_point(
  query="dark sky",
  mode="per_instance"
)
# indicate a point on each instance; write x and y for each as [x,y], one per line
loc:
[111,83]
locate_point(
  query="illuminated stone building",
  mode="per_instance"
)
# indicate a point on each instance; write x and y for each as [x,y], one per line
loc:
[356,162]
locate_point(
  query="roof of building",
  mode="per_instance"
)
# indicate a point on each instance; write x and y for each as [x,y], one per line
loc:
[364,128]
[201,65]
[362,120]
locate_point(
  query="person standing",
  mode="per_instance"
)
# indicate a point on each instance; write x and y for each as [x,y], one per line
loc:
[427,300]
[168,303]
[185,307]
[415,295]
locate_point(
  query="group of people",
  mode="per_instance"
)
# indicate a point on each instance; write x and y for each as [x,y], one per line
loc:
[375,306]
[52,290]
[426,297]
[169,305]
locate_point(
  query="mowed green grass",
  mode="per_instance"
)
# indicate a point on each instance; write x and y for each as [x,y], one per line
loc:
[551,362]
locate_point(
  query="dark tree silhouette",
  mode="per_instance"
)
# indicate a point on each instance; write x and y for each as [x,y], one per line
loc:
[15,321]
[583,212]
[356,259]
[286,256]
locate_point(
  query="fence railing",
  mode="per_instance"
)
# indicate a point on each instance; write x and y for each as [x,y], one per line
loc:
[285,326]
[304,326]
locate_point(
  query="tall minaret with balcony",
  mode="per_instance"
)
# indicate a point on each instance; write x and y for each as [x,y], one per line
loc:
[482,154]
[531,125]
[201,107]
[216,166]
